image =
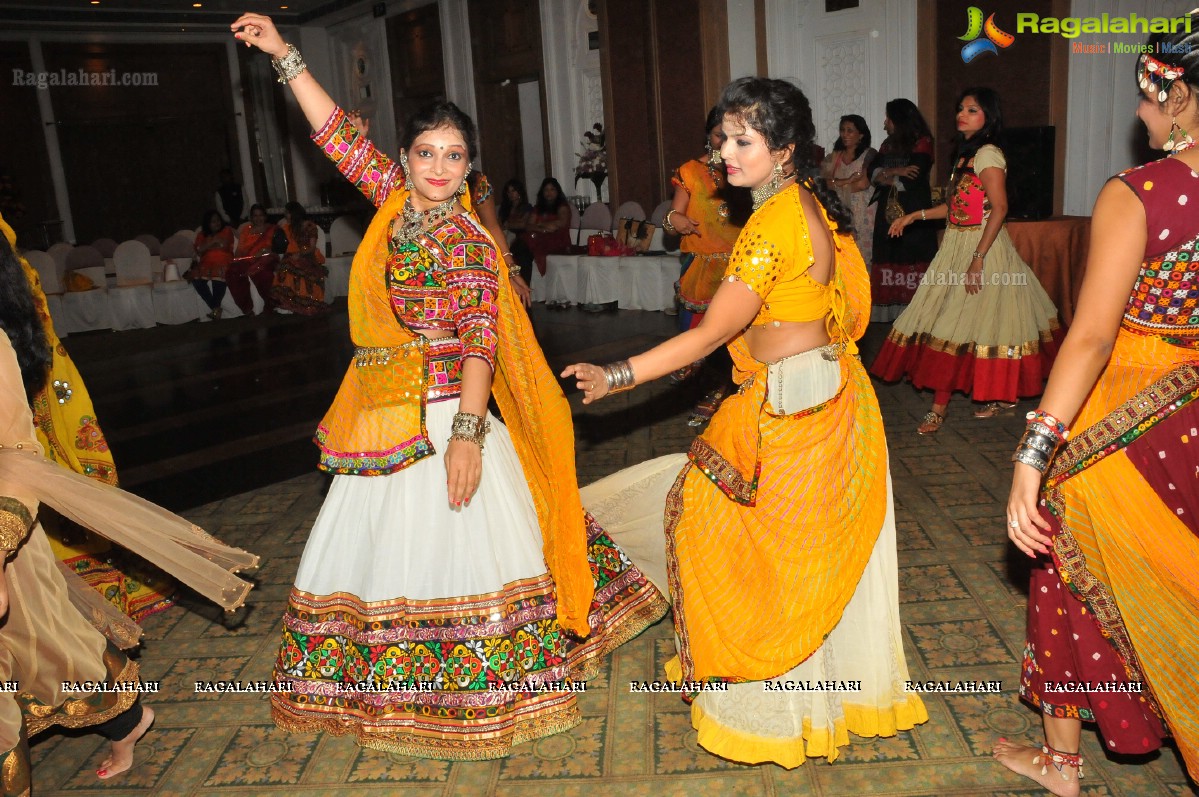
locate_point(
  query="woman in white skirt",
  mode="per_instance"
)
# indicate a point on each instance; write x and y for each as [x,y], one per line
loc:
[775,534]
[980,322]
[448,604]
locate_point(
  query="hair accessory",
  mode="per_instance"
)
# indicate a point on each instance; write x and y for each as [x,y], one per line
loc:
[290,65]
[470,428]
[619,376]
[1158,74]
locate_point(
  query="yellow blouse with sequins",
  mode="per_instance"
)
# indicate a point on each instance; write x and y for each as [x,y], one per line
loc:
[773,256]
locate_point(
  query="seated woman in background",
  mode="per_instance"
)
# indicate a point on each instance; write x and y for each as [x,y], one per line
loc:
[255,261]
[546,230]
[300,276]
[214,253]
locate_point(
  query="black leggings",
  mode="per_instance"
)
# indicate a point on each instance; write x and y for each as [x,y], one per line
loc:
[122,724]
[212,297]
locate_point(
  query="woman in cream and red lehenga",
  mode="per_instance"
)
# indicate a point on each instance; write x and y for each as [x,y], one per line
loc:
[1115,609]
[779,525]
[446,602]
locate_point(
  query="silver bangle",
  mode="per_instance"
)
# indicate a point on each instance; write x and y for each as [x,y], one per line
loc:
[1031,458]
[470,428]
[289,66]
[619,377]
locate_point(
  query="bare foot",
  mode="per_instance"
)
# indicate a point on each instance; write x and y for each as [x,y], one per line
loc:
[1019,759]
[121,758]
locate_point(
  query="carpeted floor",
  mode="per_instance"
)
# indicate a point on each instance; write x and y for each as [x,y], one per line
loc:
[963,605]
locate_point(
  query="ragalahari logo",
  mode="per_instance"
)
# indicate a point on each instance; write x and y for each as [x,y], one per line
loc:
[995,40]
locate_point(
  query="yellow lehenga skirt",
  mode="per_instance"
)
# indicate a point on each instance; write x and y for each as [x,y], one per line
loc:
[783,574]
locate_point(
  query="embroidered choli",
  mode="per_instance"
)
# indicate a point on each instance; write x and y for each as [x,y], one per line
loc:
[1165,298]
[773,257]
[444,280]
[969,206]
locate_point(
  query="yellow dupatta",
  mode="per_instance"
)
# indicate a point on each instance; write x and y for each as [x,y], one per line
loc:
[534,408]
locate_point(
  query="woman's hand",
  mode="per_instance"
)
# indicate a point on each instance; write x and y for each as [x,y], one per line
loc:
[522,289]
[1022,510]
[590,379]
[906,172]
[684,224]
[463,470]
[974,277]
[258,31]
[899,224]
[359,121]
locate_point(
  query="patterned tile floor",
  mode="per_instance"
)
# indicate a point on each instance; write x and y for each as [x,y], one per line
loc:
[963,600]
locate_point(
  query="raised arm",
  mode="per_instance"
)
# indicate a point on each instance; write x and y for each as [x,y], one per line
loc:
[356,157]
[259,31]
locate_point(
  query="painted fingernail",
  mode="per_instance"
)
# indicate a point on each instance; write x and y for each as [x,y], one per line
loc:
[101,772]
[1002,739]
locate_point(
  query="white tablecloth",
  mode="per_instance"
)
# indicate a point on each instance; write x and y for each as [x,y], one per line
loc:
[643,282]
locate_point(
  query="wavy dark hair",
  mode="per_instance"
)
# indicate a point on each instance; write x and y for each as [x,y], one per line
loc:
[908,124]
[298,214]
[1180,50]
[992,129]
[507,206]
[438,115]
[19,320]
[208,214]
[780,112]
[863,128]
[715,117]
[543,206]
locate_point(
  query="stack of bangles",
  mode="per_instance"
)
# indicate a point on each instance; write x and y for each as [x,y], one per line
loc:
[470,428]
[1041,440]
[513,270]
[667,226]
[619,376]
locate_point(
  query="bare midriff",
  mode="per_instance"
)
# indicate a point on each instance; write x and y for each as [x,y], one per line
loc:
[768,342]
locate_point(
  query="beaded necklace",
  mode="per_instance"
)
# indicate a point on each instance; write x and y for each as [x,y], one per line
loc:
[413,222]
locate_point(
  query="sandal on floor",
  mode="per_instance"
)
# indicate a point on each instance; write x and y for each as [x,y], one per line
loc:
[930,423]
[994,409]
[706,408]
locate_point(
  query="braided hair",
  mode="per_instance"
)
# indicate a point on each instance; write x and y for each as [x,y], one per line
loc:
[780,112]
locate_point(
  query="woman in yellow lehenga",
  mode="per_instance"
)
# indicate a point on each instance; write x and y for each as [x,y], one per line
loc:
[1116,608]
[70,435]
[780,536]
[701,214]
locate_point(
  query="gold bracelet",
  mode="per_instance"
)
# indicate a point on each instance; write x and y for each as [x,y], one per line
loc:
[290,65]
[666,225]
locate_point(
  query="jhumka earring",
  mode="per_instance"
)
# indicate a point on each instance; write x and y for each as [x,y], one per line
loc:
[462,187]
[714,158]
[404,161]
[1183,141]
